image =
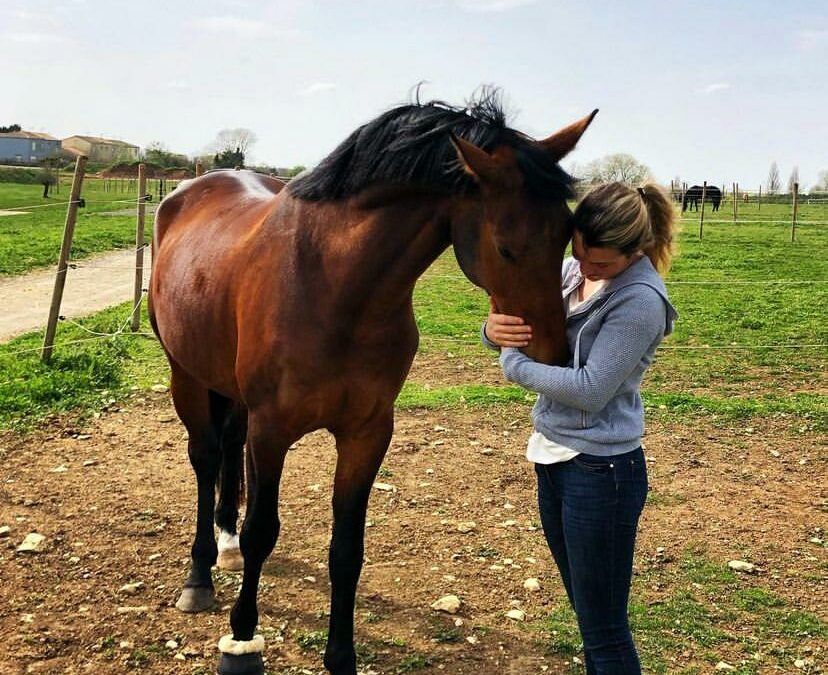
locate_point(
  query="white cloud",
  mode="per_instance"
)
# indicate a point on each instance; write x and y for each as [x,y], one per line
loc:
[716,87]
[177,85]
[812,40]
[34,38]
[491,5]
[233,24]
[316,88]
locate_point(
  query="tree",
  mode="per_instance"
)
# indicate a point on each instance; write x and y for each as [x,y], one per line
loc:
[239,140]
[773,179]
[158,153]
[47,177]
[793,179]
[619,167]
[229,159]
[296,170]
[822,182]
[10,129]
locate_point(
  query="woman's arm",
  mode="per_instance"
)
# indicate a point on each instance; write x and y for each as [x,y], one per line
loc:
[628,331]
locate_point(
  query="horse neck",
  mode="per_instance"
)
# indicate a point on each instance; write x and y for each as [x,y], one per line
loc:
[381,244]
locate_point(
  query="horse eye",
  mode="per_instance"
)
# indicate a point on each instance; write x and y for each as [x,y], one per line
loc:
[505,253]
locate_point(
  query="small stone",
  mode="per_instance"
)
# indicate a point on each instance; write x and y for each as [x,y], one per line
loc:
[516,615]
[160,388]
[532,585]
[33,543]
[90,462]
[775,453]
[385,487]
[813,540]
[800,663]
[59,469]
[309,579]
[466,526]
[472,639]
[140,609]
[26,618]
[180,657]
[171,644]
[487,451]
[84,437]
[154,557]
[458,622]
[437,427]
[4,531]
[741,566]
[721,665]
[131,589]
[448,603]
[508,523]
[125,644]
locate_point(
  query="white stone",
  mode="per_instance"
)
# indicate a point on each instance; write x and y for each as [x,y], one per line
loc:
[448,603]
[472,640]
[532,585]
[160,388]
[171,644]
[131,589]
[516,615]
[385,487]
[141,609]
[741,566]
[4,531]
[180,657]
[33,543]
[800,663]
[59,469]
[721,665]
[466,526]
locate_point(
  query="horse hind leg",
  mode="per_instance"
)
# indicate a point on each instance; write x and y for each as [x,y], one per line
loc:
[231,488]
[201,410]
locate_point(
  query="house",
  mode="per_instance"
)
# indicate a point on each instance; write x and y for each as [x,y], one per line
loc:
[105,150]
[27,147]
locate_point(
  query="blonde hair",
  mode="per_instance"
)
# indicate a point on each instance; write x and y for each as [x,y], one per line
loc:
[628,219]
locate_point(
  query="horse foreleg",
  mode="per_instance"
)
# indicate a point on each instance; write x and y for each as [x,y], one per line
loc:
[231,484]
[241,653]
[360,454]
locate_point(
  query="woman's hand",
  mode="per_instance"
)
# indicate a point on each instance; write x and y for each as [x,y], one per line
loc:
[505,330]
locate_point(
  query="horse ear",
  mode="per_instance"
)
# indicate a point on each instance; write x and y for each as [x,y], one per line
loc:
[562,142]
[476,162]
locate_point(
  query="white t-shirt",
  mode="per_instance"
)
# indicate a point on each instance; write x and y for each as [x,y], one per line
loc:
[540,449]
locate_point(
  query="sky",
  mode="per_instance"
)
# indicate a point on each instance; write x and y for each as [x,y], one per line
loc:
[706,90]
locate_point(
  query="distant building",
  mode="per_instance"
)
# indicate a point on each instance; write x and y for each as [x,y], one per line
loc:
[104,150]
[27,147]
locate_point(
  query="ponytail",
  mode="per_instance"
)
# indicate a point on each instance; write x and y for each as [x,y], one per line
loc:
[662,216]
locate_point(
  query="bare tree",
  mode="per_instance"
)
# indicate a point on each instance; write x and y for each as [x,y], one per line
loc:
[793,179]
[239,139]
[773,184]
[822,182]
[619,167]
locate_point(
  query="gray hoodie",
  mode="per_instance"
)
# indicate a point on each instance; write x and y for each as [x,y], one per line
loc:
[594,405]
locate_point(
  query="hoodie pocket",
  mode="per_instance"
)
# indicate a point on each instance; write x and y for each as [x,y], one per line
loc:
[556,415]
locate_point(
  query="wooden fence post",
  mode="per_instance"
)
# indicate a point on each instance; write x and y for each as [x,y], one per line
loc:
[795,197]
[63,261]
[199,169]
[701,217]
[139,249]
[760,197]
[683,197]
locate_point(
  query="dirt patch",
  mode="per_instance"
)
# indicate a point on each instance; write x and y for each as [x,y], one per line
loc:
[115,501]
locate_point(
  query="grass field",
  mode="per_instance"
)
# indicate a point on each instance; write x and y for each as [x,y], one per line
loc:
[33,240]
[778,367]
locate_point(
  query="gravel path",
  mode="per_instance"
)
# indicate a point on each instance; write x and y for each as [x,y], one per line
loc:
[97,283]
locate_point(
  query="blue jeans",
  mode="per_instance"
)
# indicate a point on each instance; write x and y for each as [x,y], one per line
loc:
[589,508]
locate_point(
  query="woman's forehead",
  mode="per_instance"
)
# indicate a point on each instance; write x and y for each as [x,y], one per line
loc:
[597,255]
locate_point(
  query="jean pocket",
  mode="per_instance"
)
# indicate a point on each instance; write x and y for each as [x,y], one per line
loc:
[592,463]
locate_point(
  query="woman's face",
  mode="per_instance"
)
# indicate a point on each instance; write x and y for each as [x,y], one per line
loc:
[599,263]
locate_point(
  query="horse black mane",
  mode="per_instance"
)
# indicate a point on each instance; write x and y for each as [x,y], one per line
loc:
[410,145]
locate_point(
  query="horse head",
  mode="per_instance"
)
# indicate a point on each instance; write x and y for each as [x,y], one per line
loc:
[512,241]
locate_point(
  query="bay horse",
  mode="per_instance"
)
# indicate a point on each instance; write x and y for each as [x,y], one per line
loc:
[283,310]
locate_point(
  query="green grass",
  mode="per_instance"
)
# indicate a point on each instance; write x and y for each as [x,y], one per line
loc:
[708,611]
[33,240]
[724,385]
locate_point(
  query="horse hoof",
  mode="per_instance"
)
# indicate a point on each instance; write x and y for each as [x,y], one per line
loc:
[241,664]
[196,599]
[230,560]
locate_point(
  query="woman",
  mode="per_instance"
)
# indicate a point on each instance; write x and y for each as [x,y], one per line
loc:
[589,419]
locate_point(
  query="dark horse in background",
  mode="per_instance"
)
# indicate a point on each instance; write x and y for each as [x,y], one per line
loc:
[712,195]
[288,309]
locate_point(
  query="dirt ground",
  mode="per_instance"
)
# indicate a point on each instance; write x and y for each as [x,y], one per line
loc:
[115,500]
